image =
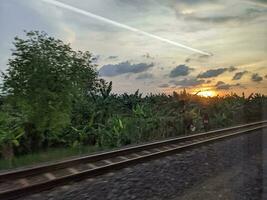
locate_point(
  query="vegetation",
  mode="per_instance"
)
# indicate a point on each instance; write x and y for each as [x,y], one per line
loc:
[53,98]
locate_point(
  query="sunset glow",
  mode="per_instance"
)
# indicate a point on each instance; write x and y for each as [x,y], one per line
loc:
[207,93]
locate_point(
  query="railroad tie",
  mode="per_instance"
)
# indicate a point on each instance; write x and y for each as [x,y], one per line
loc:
[173,145]
[91,165]
[73,170]
[146,152]
[136,155]
[24,182]
[123,157]
[108,162]
[50,176]
[157,150]
[166,147]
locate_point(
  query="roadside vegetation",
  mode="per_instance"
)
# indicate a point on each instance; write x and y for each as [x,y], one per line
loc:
[52,100]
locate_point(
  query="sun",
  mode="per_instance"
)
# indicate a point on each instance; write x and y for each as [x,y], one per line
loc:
[207,93]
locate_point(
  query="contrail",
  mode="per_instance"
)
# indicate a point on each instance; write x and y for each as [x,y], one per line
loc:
[120,25]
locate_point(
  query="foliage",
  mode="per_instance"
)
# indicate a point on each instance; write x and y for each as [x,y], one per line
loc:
[54,99]
[44,78]
[10,134]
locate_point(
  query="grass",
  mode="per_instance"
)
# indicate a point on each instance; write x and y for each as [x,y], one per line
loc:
[52,154]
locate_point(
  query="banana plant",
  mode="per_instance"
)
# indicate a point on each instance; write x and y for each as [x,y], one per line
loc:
[138,111]
[10,134]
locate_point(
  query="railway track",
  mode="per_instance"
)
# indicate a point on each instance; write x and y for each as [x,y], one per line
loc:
[22,182]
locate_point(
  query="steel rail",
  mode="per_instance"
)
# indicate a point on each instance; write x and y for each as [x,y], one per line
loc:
[178,144]
[100,156]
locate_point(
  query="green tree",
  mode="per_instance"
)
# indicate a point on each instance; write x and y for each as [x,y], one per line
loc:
[44,79]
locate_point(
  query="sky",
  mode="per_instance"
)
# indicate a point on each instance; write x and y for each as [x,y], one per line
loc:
[156,46]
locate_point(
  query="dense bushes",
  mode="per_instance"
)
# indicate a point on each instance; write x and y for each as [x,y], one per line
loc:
[111,122]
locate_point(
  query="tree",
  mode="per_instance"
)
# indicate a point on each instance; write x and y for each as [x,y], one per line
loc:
[45,77]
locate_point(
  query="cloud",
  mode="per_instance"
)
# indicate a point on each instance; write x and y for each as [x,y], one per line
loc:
[207,15]
[220,85]
[112,57]
[256,77]
[188,60]
[145,76]
[197,58]
[212,73]
[147,56]
[232,68]
[210,14]
[122,25]
[188,82]
[239,75]
[180,70]
[259,1]
[215,72]
[164,85]
[123,68]
[213,19]
[183,4]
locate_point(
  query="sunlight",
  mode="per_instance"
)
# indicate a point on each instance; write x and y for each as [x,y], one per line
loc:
[207,93]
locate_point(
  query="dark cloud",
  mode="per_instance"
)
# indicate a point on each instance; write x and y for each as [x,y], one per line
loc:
[188,60]
[208,81]
[213,19]
[239,75]
[212,73]
[145,76]
[232,68]
[220,85]
[197,58]
[188,82]
[256,77]
[164,85]
[180,70]
[215,72]
[112,57]
[123,68]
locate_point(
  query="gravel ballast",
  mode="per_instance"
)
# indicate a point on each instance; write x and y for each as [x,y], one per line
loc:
[234,169]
